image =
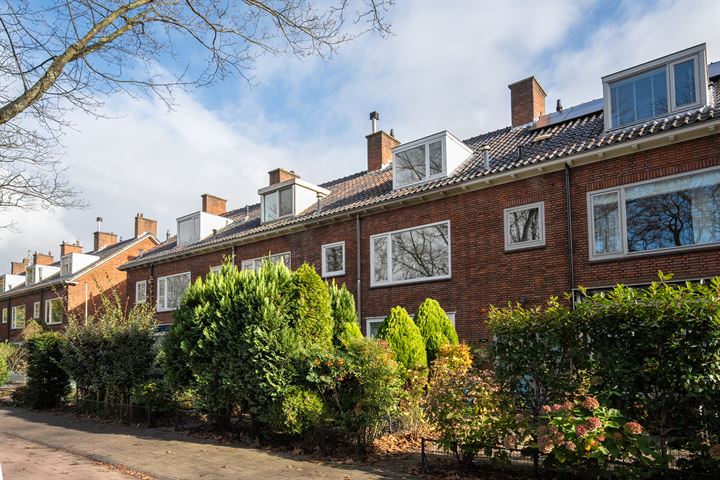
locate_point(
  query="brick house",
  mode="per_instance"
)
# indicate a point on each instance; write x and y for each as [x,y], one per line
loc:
[47,291]
[608,191]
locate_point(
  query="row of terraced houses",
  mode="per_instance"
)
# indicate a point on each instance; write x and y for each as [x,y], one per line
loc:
[612,190]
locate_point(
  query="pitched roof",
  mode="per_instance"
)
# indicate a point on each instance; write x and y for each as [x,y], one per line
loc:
[577,130]
[57,279]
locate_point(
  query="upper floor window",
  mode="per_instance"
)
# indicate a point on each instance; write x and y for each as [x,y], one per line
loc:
[278,204]
[525,226]
[664,214]
[333,259]
[54,311]
[17,319]
[36,311]
[65,266]
[411,255]
[141,291]
[427,158]
[256,263]
[666,85]
[170,290]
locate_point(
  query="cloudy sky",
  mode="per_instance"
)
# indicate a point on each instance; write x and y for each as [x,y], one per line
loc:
[446,66]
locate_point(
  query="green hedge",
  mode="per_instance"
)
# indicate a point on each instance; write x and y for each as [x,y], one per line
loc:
[48,383]
[404,339]
[435,327]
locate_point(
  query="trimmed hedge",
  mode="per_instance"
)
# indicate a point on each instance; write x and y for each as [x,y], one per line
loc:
[344,314]
[48,383]
[435,327]
[404,339]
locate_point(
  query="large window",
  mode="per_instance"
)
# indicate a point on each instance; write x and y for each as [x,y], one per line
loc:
[54,311]
[525,226]
[333,259]
[670,213]
[410,255]
[141,291]
[418,164]
[256,263]
[278,204]
[17,320]
[170,290]
[664,86]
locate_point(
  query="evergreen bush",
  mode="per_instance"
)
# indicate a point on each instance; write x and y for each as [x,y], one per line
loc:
[310,307]
[4,371]
[344,315]
[48,383]
[435,327]
[404,339]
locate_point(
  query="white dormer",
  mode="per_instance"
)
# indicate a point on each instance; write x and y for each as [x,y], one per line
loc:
[196,226]
[427,158]
[664,86]
[8,281]
[74,262]
[38,273]
[288,197]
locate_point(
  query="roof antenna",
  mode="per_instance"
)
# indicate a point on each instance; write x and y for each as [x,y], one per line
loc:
[167,234]
[486,156]
[559,107]
[374,117]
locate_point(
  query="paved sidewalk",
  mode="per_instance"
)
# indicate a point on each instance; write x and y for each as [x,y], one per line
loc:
[167,455]
[25,460]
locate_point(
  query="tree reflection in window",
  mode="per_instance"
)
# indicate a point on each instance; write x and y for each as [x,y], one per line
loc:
[606,223]
[410,166]
[420,253]
[524,225]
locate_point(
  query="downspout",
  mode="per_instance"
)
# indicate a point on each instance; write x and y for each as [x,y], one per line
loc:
[86,301]
[42,319]
[358,295]
[568,205]
[232,254]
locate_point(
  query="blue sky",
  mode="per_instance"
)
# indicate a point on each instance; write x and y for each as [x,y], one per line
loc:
[447,66]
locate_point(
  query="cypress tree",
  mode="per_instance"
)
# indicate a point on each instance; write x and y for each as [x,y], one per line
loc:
[435,327]
[344,314]
[310,307]
[404,339]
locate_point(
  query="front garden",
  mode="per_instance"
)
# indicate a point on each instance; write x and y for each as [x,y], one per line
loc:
[626,384]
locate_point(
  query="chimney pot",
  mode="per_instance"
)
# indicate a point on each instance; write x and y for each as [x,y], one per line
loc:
[559,107]
[374,117]
[527,101]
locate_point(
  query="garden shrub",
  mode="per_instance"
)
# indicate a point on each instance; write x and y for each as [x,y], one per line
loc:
[4,371]
[404,339]
[435,327]
[8,352]
[299,410]
[344,315]
[466,406]
[310,308]
[112,352]
[48,383]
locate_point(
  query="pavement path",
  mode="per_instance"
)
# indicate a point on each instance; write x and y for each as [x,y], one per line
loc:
[165,454]
[20,459]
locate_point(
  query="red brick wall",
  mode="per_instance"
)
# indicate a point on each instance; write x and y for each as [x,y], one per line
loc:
[28,300]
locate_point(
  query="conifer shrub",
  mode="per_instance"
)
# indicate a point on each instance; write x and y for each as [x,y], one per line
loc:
[310,308]
[4,371]
[344,314]
[435,327]
[48,383]
[404,339]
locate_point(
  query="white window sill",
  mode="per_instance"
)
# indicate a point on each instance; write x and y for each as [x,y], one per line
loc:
[518,248]
[650,253]
[333,274]
[162,310]
[409,282]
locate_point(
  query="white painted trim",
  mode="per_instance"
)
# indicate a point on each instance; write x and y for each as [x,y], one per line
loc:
[509,247]
[37,310]
[48,311]
[164,308]
[325,273]
[137,286]
[13,317]
[388,235]
[593,257]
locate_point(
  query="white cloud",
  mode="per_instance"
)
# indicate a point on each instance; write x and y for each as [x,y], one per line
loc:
[446,67]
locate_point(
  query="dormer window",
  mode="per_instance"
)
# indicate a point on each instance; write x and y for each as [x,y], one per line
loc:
[427,159]
[278,204]
[287,195]
[74,262]
[197,226]
[66,265]
[664,86]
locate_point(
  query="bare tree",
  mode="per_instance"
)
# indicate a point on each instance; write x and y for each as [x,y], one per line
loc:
[62,54]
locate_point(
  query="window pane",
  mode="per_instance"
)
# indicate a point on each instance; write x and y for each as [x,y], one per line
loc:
[684,83]
[436,161]
[374,328]
[286,207]
[639,98]
[271,206]
[674,212]
[176,286]
[380,266]
[334,259]
[420,253]
[410,166]
[606,223]
[524,225]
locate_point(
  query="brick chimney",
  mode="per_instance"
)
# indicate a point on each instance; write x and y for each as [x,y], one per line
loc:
[379,145]
[42,259]
[214,205]
[66,248]
[16,268]
[527,101]
[103,239]
[145,225]
[280,175]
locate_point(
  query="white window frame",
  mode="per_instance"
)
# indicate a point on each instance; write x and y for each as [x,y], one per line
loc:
[325,272]
[36,311]
[66,265]
[698,53]
[624,253]
[418,143]
[249,263]
[165,308]
[509,246]
[4,315]
[215,269]
[48,311]
[388,235]
[277,193]
[13,317]
[143,284]
[371,320]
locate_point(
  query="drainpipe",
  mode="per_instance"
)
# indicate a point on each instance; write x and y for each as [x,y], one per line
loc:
[42,319]
[358,294]
[232,254]
[86,302]
[568,205]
